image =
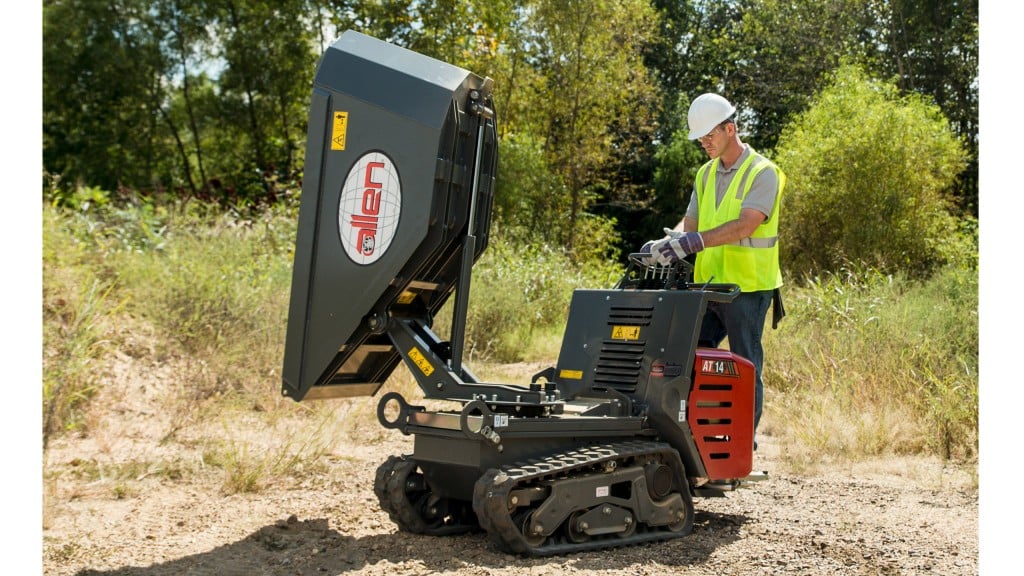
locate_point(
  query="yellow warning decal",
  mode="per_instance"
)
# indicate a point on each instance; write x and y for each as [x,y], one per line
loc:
[421,361]
[625,332]
[406,297]
[339,131]
[571,374]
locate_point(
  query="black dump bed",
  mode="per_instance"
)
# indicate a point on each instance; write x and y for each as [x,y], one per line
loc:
[394,155]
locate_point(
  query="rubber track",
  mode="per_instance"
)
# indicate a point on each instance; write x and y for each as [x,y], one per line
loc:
[391,490]
[492,490]
[380,482]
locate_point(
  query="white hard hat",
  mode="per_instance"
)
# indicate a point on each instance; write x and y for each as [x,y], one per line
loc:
[707,111]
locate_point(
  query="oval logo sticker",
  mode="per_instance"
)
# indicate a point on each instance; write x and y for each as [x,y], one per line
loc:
[371,201]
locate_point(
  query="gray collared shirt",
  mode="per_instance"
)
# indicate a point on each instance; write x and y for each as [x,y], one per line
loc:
[762,191]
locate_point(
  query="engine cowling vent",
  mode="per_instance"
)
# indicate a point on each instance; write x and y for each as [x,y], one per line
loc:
[630,316]
[618,366]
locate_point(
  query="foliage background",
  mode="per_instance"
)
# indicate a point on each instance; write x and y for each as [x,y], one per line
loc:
[208,99]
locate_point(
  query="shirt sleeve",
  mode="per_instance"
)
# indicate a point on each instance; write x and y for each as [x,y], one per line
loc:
[762,193]
[691,208]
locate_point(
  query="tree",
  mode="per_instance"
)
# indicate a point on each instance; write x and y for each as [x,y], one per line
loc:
[666,178]
[518,82]
[770,57]
[931,47]
[267,50]
[101,66]
[694,51]
[785,51]
[647,188]
[869,173]
[387,20]
[185,49]
[589,55]
[677,165]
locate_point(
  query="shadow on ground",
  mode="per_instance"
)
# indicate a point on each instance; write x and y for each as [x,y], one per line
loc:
[312,547]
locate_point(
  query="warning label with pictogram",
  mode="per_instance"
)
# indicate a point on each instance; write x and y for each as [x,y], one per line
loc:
[339,131]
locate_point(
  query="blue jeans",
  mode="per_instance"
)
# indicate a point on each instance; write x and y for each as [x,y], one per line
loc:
[742,320]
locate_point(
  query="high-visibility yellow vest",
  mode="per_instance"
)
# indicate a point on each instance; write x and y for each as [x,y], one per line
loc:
[752,263]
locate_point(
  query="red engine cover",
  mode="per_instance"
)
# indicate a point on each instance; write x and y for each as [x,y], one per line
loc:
[721,412]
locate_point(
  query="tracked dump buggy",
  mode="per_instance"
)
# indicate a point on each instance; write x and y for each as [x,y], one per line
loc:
[606,448]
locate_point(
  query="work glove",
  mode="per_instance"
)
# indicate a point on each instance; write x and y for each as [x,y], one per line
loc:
[672,249]
[646,249]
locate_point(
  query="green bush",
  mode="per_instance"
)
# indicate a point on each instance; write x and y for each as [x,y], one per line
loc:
[526,193]
[520,292]
[676,164]
[868,172]
[532,206]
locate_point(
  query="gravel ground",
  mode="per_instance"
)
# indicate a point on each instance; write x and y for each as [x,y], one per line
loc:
[905,516]
[901,517]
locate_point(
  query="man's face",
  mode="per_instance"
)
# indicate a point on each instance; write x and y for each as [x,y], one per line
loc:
[713,142]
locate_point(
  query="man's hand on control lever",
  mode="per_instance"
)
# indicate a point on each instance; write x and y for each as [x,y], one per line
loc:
[674,247]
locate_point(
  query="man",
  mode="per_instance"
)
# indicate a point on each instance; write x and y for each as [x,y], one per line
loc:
[732,225]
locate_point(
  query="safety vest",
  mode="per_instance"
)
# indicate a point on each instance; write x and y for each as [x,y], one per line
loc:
[752,263]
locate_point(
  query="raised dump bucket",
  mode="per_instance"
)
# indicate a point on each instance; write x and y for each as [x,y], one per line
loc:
[400,169]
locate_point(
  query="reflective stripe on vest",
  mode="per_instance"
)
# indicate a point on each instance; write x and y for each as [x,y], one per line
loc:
[753,262]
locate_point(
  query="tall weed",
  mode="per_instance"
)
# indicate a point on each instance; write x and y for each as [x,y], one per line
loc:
[219,290]
[214,285]
[79,305]
[891,363]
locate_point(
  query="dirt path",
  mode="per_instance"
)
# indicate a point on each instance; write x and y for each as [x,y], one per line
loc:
[168,516]
[903,517]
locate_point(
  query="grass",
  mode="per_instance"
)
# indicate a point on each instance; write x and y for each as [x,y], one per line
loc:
[79,307]
[250,464]
[864,364]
